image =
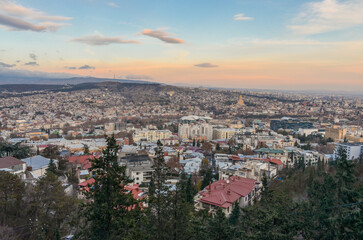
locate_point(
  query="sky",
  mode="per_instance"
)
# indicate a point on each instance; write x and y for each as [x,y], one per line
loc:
[266,44]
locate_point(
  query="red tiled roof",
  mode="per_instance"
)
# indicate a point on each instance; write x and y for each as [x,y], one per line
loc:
[83,160]
[224,193]
[7,162]
[274,161]
[135,191]
[85,183]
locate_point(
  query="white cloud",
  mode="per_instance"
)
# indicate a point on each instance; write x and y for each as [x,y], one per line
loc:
[17,17]
[328,15]
[112,4]
[99,40]
[241,17]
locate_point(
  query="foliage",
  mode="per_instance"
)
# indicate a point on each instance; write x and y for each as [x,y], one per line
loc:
[15,150]
[107,212]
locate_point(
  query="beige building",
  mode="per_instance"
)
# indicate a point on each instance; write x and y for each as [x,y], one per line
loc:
[151,135]
[224,133]
[335,133]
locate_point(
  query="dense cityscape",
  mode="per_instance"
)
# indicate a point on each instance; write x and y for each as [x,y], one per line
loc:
[228,147]
[181,120]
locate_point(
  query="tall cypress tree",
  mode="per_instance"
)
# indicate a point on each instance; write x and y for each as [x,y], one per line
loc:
[107,211]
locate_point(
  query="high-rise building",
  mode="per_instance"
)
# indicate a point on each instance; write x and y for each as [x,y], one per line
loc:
[194,127]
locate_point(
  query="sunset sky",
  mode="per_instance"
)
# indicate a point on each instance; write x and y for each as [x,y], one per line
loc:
[278,44]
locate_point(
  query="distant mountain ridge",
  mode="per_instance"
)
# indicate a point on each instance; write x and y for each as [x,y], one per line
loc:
[111,85]
[60,81]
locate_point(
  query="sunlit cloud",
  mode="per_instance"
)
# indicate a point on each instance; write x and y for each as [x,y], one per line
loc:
[241,17]
[162,35]
[328,15]
[101,40]
[17,17]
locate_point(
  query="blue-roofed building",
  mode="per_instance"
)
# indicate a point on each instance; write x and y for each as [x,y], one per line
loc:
[37,165]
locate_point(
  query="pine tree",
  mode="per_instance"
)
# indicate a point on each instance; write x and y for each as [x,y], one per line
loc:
[219,227]
[49,208]
[52,167]
[234,218]
[159,196]
[107,211]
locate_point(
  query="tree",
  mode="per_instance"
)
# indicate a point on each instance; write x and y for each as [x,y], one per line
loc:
[51,151]
[52,168]
[207,148]
[86,149]
[218,147]
[159,196]
[234,218]
[107,210]
[16,150]
[219,227]
[49,208]
[12,190]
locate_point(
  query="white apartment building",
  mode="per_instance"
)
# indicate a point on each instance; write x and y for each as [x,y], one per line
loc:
[194,127]
[151,135]
[353,150]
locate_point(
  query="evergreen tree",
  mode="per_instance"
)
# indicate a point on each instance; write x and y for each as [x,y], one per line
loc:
[52,167]
[234,218]
[159,197]
[219,227]
[109,206]
[12,191]
[49,208]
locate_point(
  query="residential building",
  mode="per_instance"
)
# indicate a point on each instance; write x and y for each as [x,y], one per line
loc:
[224,193]
[13,165]
[37,165]
[336,133]
[353,150]
[194,127]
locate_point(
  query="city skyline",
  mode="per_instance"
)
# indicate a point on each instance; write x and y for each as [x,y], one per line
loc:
[234,44]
